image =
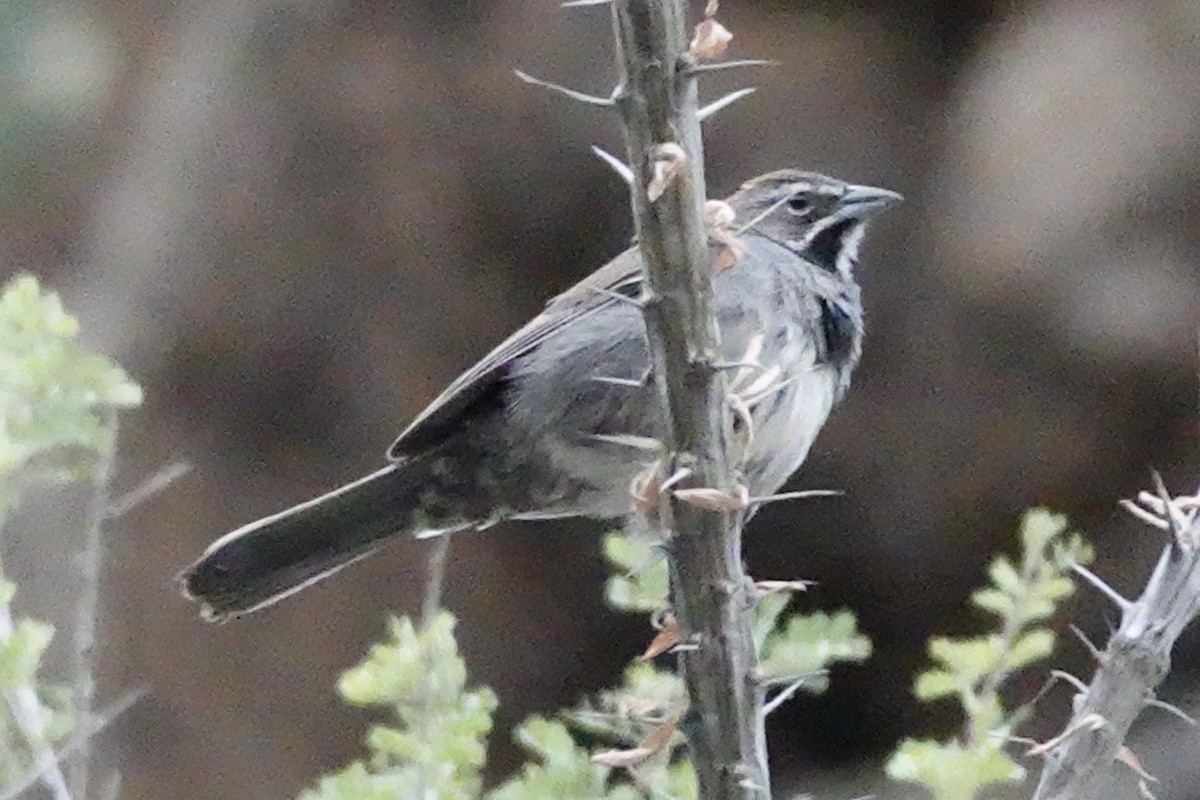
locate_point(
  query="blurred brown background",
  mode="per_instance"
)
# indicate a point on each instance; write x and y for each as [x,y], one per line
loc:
[294,222]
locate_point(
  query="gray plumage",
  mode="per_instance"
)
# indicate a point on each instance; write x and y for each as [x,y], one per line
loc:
[553,422]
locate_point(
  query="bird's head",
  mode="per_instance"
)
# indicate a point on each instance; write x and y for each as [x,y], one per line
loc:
[821,218]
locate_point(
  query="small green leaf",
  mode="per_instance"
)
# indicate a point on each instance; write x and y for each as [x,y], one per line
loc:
[563,769]
[810,643]
[936,683]
[21,653]
[642,582]
[1005,576]
[951,771]
[994,600]
[1029,647]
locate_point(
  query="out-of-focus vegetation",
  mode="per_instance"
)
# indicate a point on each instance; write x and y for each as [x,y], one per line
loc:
[58,402]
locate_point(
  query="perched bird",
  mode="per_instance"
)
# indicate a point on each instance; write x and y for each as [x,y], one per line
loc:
[543,426]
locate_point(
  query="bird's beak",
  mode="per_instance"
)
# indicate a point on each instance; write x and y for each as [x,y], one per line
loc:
[865,201]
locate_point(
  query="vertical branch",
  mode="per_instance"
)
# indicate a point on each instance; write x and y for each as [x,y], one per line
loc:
[657,99]
[84,636]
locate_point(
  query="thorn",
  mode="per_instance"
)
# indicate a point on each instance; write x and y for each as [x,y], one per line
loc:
[1019,715]
[774,388]
[1109,592]
[1025,740]
[1144,515]
[697,69]
[757,677]
[766,212]
[775,498]
[1174,523]
[781,698]
[1069,678]
[1087,643]
[765,588]
[765,385]
[715,499]
[609,293]
[722,365]
[1171,709]
[619,166]
[1091,722]
[631,382]
[630,440]
[727,100]
[680,475]
[582,97]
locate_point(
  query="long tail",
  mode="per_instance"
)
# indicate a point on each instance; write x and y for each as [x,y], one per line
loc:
[265,561]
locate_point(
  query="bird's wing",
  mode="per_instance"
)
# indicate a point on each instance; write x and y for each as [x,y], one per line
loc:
[620,277]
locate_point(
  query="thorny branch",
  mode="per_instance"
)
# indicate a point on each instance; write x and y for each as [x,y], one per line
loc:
[658,102]
[1078,762]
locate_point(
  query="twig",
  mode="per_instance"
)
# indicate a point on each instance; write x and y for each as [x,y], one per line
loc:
[86,611]
[1134,663]
[435,579]
[659,107]
[29,715]
[148,488]
[79,737]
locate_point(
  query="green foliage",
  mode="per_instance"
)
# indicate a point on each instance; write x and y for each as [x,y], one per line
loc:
[55,396]
[45,715]
[807,645]
[639,582]
[789,647]
[972,670]
[563,769]
[435,744]
[56,406]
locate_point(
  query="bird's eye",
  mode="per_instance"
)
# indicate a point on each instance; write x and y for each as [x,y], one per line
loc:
[798,204]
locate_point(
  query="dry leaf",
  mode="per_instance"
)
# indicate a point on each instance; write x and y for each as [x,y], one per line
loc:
[719,214]
[1129,759]
[711,9]
[710,40]
[666,638]
[622,758]
[646,488]
[730,253]
[771,587]
[719,217]
[666,165]
[657,739]
[715,499]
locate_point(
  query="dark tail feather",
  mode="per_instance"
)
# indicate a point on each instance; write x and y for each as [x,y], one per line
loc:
[265,561]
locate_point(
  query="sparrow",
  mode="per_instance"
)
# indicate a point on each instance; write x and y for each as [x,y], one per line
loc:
[554,421]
